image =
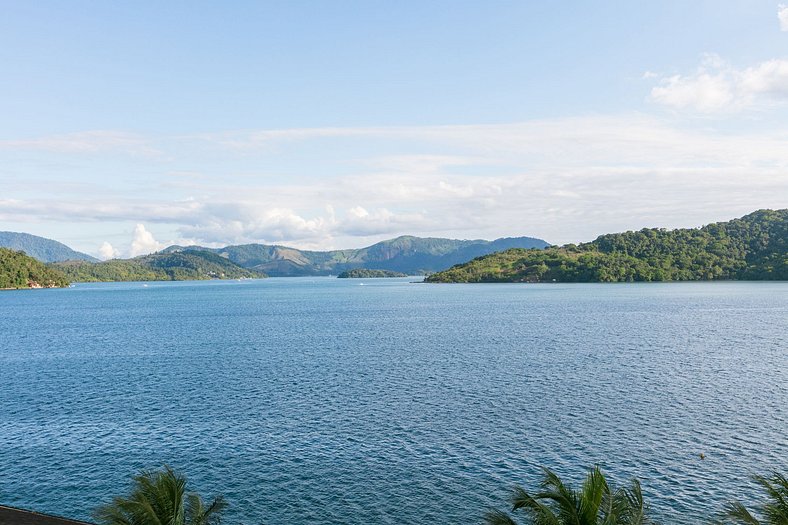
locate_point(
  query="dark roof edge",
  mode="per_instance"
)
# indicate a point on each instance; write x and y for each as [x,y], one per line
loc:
[10,515]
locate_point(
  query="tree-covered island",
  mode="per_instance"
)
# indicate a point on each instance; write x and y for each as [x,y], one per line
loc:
[18,271]
[754,247]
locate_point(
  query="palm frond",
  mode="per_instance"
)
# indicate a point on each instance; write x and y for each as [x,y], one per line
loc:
[566,506]
[538,511]
[497,517]
[589,500]
[636,508]
[199,514]
[159,498]
[775,510]
[595,503]
[738,513]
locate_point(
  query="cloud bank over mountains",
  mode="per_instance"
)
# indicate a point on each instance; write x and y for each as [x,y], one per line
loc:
[562,179]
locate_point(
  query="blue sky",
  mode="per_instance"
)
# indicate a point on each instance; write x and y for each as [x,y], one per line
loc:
[128,126]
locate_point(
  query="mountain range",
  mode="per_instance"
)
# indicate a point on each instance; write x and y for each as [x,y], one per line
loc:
[45,250]
[406,254]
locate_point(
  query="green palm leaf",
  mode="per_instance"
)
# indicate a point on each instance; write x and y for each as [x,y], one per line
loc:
[774,510]
[160,498]
[557,503]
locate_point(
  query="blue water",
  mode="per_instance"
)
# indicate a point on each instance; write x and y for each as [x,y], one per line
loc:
[323,401]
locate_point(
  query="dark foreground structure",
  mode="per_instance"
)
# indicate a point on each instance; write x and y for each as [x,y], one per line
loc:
[12,516]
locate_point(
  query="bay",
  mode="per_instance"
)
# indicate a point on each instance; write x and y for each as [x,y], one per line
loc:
[320,400]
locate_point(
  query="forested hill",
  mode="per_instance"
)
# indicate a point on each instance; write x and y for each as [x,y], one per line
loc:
[18,270]
[181,266]
[406,254]
[45,250]
[754,247]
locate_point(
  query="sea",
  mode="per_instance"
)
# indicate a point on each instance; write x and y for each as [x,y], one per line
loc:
[389,401]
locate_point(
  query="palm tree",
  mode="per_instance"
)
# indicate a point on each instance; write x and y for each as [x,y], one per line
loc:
[160,498]
[773,512]
[594,504]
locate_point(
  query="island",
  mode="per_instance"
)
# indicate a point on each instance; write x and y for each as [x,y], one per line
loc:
[753,247]
[365,273]
[20,271]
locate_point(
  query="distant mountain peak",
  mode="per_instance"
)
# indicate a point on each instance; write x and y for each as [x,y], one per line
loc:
[41,248]
[407,254]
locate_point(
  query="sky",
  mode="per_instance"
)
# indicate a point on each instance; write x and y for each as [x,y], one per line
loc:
[129,126]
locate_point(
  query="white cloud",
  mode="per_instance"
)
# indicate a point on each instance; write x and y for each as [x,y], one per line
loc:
[361,223]
[143,242]
[107,251]
[782,16]
[85,142]
[244,221]
[562,179]
[358,212]
[703,92]
[716,86]
[769,78]
[425,164]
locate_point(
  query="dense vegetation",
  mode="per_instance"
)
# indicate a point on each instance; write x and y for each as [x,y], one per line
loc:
[754,247]
[180,266]
[18,270]
[110,271]
[410,255]
[365,273]
[45,250]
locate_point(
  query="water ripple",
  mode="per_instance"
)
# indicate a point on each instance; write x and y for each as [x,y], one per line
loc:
[322,402]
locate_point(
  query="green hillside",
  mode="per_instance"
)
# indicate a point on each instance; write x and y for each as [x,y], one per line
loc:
[406,254]
[179,266]
[18,270]
[45,250]
[754,247]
